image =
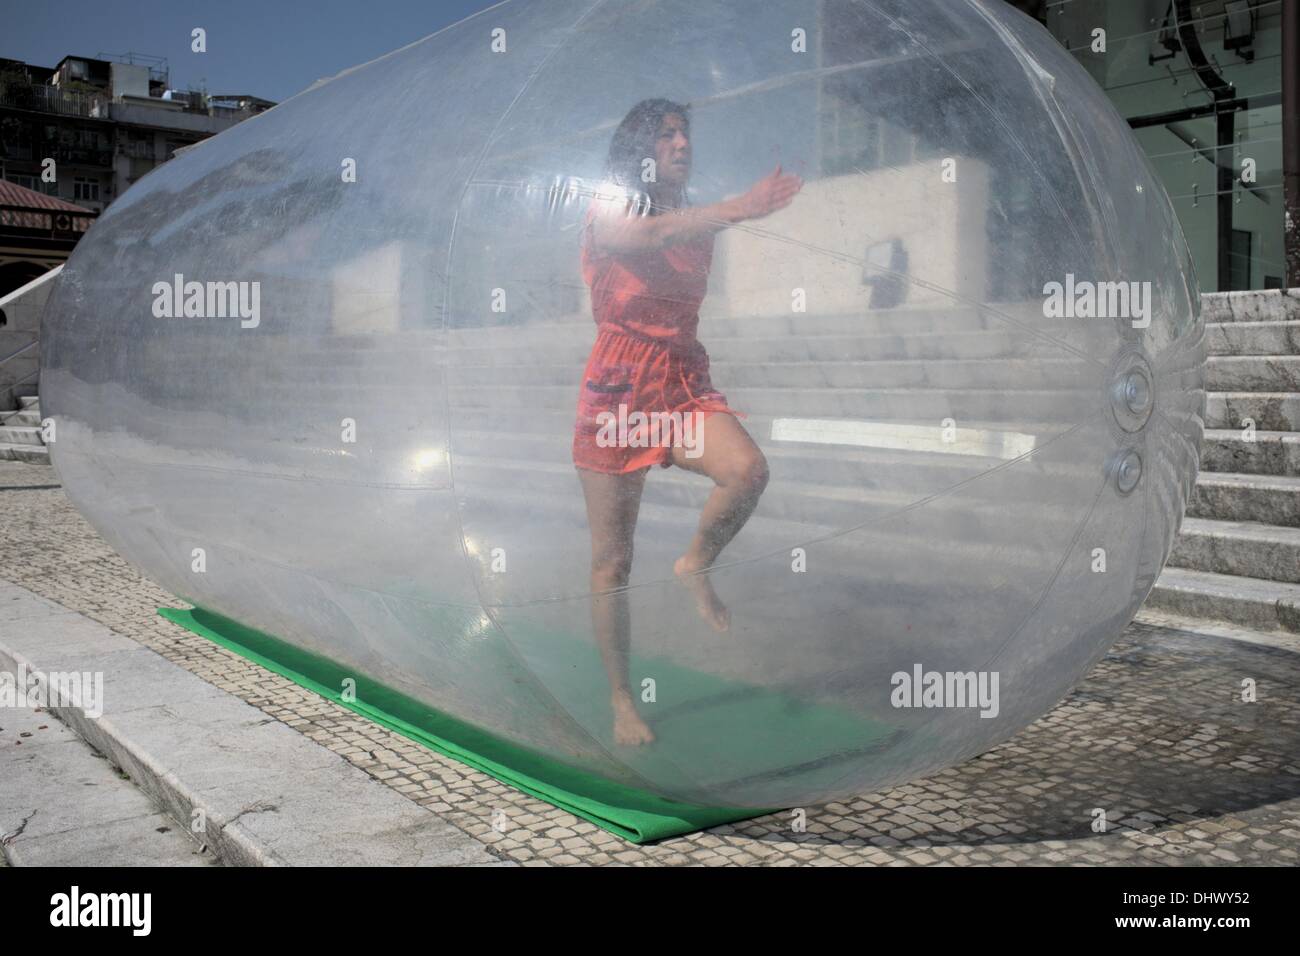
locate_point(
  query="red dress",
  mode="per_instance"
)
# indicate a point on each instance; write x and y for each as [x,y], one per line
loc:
[647,371]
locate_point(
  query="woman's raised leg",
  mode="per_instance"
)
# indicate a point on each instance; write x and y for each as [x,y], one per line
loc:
[739,471]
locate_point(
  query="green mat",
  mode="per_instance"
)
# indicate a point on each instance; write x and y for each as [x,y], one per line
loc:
[765,722]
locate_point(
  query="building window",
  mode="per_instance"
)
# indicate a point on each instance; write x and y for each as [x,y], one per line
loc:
[139,147]
[33,183]
[1239,251]
[85,189]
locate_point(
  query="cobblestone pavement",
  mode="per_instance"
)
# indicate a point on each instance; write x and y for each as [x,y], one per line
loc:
[1157,736]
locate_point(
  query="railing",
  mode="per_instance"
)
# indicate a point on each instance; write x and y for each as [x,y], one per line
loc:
[51,99]
[82,155]
[56,223]
[8,391]
[13,355]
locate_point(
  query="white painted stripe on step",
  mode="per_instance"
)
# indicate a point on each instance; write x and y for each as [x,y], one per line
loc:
[987,443]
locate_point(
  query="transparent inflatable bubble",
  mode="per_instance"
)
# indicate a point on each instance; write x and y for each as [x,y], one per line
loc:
[380,354]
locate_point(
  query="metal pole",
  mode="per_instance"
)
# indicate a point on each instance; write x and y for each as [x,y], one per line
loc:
[1226,184]
[1291,139]
[1225,124]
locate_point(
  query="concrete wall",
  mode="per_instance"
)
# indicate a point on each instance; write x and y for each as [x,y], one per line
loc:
[942,228]
[129,79]
[169,118]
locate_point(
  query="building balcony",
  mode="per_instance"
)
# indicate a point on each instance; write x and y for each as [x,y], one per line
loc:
[51,99]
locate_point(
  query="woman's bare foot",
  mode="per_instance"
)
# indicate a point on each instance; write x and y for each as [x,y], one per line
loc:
[629,729]
[707,602]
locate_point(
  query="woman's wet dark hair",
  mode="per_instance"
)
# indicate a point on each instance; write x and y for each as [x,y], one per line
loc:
[634,140]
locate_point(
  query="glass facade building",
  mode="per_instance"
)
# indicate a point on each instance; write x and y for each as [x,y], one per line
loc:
[1201,84]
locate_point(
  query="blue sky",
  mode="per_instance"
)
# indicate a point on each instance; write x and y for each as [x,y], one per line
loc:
[269,48]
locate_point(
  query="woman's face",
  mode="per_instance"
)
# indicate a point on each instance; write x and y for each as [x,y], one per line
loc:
[672,151]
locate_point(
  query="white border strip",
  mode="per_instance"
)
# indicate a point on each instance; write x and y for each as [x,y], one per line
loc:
[986,443]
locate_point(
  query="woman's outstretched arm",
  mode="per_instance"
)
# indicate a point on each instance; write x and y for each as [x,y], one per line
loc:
[617,227]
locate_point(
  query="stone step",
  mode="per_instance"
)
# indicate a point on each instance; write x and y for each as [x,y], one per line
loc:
[975,515]
[713,328]
[12,451]
[485,423]
[327,349]
[29,401]
[874,404]
[1017,360]
[857,398]
[1240,548]
[1270,411]
[958,546]
[1253,338]
[268,795]
[1271,453]
[1260,305]
[769,371]
[1253,373]
[20,435]
[1262,605]
[22,416]
[65,805]
[1007,374]
[916,468]
[928,346]
[1268,499]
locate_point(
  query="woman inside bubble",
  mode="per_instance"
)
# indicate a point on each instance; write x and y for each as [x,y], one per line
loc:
[646,397]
